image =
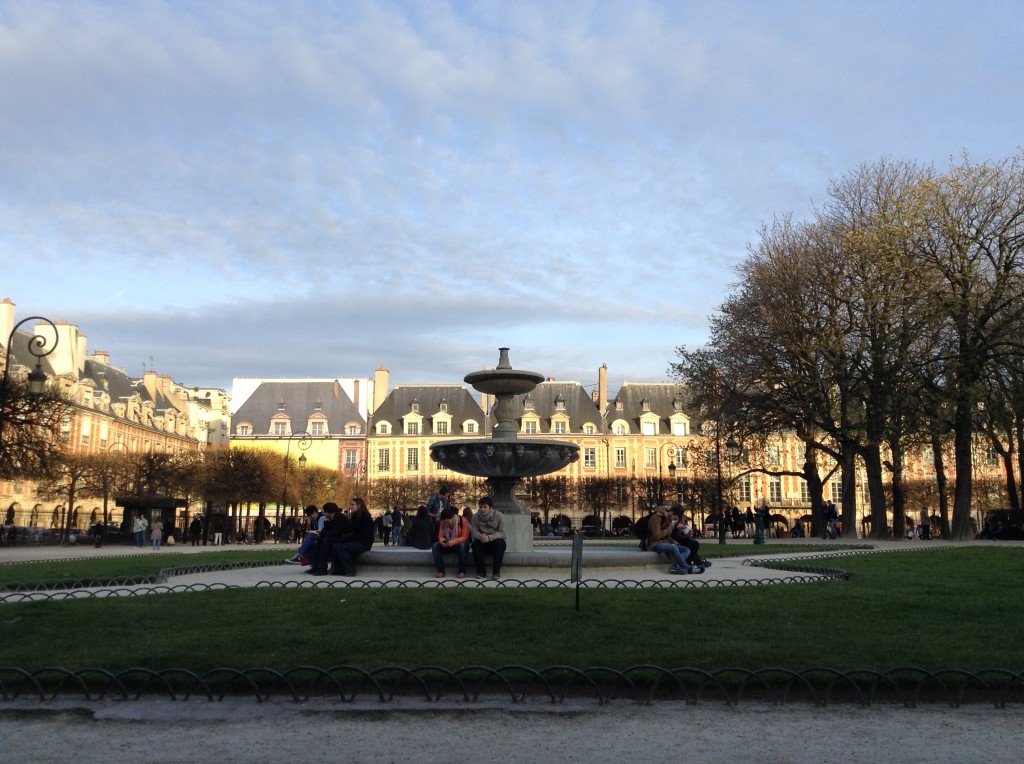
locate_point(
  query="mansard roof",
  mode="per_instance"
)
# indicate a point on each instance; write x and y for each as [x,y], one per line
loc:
[300,399]
[579,405]
[661,398]
[462,406]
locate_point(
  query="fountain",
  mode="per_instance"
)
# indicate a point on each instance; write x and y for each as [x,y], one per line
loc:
[503,458]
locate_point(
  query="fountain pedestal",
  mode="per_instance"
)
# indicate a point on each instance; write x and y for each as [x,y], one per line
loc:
[505,459]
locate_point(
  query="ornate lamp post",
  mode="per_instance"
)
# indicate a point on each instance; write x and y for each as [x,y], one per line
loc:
[733,451]
[40,347]
[305,441]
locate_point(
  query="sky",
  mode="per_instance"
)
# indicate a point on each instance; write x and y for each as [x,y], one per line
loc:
[214,190]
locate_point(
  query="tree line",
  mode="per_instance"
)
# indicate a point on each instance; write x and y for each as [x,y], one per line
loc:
[888,321]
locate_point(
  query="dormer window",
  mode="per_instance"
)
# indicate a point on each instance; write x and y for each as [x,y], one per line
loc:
[415,407]
[528,404]
[281,405]
[645,405]
[677,405]
[444,406]
[318,405]
[618,405]
[559,403]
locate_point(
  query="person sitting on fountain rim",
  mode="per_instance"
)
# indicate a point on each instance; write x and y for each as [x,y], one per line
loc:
[452,536]
[660,540]
[682,534]
[488,531]
[336,527]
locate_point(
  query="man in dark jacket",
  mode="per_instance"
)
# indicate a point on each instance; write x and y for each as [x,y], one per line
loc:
[337,527]
[359,540]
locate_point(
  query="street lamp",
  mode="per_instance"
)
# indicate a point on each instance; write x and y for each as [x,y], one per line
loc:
[40,347]
[733,451]
[304,442]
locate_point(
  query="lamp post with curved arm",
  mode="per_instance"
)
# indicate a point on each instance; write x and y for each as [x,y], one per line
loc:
[305,441]
[40,347]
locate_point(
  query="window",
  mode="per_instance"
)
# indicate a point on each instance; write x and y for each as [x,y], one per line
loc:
[745,489]
[528,403]
[280,428]
[316,428]
[318,405]
[471,428]
[412,428]
[590,457]
[619,428]
[679,428]
[412,459]
[383,428]
[620,458]
[383,460]
[444,406]
[588,429]
[805,495]
[530,427]
[350,460]
[244,429]
[648,428]
[441,428]
[837,491]
[351,429]
[775,489]
[991,457]
[560,428]
[773,454]
[651,458]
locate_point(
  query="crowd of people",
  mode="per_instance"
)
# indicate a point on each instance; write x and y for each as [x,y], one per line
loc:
[334,539]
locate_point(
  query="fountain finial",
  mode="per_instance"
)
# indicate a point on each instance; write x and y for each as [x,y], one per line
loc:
[503,362]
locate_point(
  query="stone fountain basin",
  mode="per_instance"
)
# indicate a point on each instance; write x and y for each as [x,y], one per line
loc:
[495,458]
[498,381]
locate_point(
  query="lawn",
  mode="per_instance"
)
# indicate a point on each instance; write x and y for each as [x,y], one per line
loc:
[936,609]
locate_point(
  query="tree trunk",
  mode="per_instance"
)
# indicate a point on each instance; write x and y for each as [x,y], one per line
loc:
[849,490]
[899,498]
[876,490]
[941,485]
[963,430]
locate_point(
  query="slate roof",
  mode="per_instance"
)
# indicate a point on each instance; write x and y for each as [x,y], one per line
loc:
[662,398]
[301,400]
[579,405]
[462,407]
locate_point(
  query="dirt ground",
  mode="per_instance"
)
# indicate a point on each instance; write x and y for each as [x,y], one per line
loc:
[198,731]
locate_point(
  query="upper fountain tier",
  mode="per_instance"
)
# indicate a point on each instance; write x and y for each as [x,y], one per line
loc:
[504,383]
[503,379]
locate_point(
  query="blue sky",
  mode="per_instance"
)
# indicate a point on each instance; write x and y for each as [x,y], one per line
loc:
[315,189]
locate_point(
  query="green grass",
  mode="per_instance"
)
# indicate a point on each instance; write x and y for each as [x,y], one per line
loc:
[942,608]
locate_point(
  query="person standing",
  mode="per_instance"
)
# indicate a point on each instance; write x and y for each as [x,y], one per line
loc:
[926,524]
[386,520]
[488,531]
[195,530]
[139,529]
[157,533]
[396,527]
[833,515]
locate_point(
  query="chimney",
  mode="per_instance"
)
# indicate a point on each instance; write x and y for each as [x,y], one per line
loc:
[6,321]
[101,356]
[149,382]
[380,387]
[355,393]
[602,388]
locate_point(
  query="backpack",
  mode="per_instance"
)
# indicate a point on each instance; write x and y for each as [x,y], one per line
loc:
[641,531]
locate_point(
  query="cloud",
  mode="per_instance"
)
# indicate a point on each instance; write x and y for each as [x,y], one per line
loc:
[254,189]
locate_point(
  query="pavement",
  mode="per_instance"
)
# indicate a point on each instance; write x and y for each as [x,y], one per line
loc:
[242,730]
[603,563]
